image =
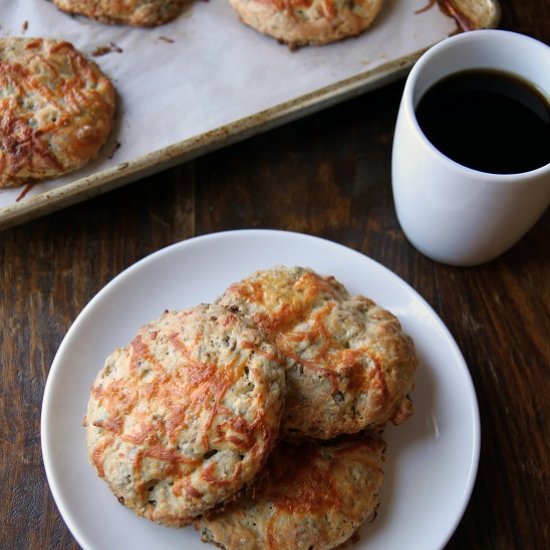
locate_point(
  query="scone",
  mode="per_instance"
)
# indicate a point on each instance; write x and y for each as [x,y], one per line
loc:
[308,22]
[56,109]
[138,13]
[185,416]
[349,364]
[311,497]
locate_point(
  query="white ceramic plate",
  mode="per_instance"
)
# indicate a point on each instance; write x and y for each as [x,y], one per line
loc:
[431,460]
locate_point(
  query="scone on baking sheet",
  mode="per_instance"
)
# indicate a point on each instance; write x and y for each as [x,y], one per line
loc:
[308,22]
[349,364]
[313,496]
[56,109]
[137,13]
[185,416]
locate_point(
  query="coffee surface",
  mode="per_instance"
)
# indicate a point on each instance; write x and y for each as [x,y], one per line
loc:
[487,120]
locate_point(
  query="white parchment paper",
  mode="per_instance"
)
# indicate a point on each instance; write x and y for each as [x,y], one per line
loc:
[206,69]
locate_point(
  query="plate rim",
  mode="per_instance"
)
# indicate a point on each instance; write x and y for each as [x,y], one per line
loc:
[237,233]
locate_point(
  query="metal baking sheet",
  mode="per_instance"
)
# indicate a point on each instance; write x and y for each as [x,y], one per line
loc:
[205,80]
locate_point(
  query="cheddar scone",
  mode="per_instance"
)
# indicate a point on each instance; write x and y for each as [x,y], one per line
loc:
[56,109]
[137,13]
[312,496]
[184,417]
[349,365]
[308,22]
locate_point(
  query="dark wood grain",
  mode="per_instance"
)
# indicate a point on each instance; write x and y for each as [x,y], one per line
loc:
[328,175]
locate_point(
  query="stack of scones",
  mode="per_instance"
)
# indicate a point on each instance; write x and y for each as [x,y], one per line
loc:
[257,418]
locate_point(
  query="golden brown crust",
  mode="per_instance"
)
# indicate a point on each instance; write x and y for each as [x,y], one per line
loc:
[185,416]
[348,359]
[302,22]
[311,496]
[138,13]
[56,109]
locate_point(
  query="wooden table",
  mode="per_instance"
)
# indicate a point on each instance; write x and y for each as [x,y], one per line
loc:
[328,175]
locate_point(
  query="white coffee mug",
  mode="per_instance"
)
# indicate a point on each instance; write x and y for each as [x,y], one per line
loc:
[454,214]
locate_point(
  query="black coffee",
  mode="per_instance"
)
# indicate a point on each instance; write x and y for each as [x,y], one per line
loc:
[487,120]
